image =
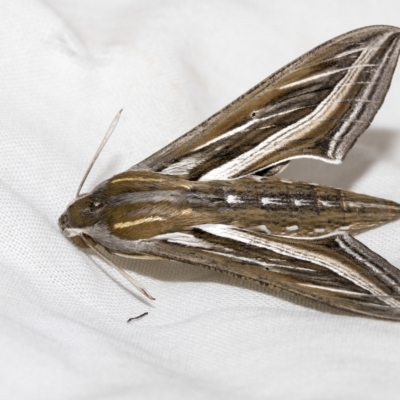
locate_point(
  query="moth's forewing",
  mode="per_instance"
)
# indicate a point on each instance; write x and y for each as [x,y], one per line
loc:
[316,106]
[337,270]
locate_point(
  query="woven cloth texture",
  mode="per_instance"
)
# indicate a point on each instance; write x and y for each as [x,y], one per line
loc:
[67,67]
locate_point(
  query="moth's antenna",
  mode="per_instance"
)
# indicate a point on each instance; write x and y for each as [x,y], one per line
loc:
[137,285]
[110,130]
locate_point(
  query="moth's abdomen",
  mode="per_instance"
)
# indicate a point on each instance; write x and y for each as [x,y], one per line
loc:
[301,209]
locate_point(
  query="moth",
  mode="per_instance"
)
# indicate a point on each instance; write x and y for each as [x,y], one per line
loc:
[211,198]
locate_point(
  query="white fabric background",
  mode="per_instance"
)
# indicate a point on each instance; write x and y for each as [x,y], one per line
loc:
[66,68]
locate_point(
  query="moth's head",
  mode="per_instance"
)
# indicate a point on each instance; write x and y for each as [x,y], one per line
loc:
[81,215]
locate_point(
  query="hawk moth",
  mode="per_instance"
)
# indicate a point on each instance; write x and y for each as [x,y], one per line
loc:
[211,197]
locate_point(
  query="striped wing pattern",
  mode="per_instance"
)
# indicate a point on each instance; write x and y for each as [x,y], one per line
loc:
[337,270]
[317,106]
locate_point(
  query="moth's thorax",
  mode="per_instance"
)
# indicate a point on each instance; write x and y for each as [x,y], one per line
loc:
[144,204]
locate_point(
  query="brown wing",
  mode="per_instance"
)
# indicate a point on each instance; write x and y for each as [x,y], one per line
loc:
[317,106]
[337,270]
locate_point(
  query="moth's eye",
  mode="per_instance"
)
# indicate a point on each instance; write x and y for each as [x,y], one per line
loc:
[96,205]
[63,221]
[253,114]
